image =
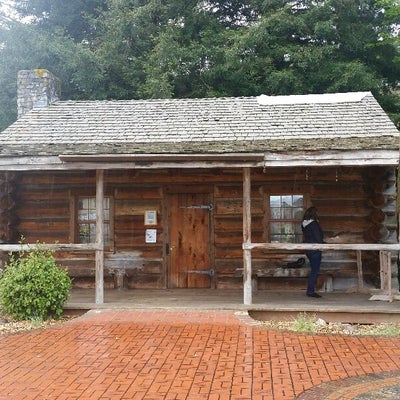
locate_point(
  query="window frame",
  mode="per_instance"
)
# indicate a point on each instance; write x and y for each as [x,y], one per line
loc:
[301,191]
[75,222]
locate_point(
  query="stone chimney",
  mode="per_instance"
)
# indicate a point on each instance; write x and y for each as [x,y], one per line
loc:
[36,88]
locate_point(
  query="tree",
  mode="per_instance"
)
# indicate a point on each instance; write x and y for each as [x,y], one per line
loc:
[123,49]
[76,18]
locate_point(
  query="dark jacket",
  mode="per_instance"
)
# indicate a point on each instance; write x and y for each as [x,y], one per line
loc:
[312,232]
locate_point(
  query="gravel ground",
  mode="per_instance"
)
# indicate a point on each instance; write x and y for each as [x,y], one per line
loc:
[9,326]
[318,325]
[303,323]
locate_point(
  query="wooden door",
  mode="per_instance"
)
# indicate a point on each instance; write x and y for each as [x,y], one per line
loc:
[189,241]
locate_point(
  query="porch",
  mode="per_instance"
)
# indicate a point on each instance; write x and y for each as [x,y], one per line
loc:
[333,306]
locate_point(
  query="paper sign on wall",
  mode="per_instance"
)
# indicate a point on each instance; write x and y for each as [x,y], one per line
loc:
[150,217]
[151,235]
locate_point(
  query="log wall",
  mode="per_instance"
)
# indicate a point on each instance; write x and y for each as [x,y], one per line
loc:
[355,205]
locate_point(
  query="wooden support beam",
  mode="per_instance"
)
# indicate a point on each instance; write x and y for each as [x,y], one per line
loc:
[247,288]
[99,297]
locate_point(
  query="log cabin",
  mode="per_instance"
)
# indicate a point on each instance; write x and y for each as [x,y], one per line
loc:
[202,193]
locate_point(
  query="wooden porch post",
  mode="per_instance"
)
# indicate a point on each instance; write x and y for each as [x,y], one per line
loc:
[359,270]
[100,237]
[247,289]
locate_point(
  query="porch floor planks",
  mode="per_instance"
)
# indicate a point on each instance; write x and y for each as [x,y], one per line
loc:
[264,301]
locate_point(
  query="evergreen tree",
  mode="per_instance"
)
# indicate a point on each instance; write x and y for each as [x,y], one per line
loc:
[125,49]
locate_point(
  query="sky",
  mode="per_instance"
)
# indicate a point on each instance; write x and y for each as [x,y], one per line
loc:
[6,10]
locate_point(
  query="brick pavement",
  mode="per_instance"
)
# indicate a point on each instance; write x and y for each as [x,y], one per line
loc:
[192,355]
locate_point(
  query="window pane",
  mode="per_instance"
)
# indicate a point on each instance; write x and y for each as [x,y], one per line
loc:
[287,228]
[275,213]
[92,203]
[286,201]
[275,228]
[298,213]
[287,213]
[107,241]
[83,204]
[106,206]
[275,201]
[298,201]
[82,215]
[86,233]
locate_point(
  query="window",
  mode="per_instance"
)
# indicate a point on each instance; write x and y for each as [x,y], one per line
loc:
[286,213]
[87,220]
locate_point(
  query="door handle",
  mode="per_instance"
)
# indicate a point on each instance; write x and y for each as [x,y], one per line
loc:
[168,249]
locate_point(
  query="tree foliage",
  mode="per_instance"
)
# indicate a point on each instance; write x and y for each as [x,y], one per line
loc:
[74,17]
[121,49]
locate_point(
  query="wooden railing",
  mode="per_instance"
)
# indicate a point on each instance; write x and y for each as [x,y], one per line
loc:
[10,248]
[385,250]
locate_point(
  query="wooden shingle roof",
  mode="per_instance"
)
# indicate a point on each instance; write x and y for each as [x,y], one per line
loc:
[349,121]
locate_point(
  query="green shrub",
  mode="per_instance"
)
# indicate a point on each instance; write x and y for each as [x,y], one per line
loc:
[32,286]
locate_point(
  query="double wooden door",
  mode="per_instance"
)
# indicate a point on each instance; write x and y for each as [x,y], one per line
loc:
[189,246]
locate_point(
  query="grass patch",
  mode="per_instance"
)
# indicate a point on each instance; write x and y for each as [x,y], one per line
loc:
[304,323]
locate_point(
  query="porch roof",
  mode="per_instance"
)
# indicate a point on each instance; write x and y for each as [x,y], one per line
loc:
[212,128]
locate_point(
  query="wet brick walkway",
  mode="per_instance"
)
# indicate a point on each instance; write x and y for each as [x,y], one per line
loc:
[216,355]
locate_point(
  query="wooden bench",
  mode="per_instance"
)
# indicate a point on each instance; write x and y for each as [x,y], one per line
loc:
[325,277]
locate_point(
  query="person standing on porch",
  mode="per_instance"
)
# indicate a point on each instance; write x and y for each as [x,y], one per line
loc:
[312,233]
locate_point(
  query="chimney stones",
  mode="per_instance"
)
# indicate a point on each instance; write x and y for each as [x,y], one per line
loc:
[36,88]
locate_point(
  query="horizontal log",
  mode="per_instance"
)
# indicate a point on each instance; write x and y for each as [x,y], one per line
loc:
[148,251]
[228,253]
[138,193]
[55,179]
[39,210]
[45,226]
[344,208]
[235,206]
[355,224]
[337,192]
[43,193]
[136,208]
[235,192]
